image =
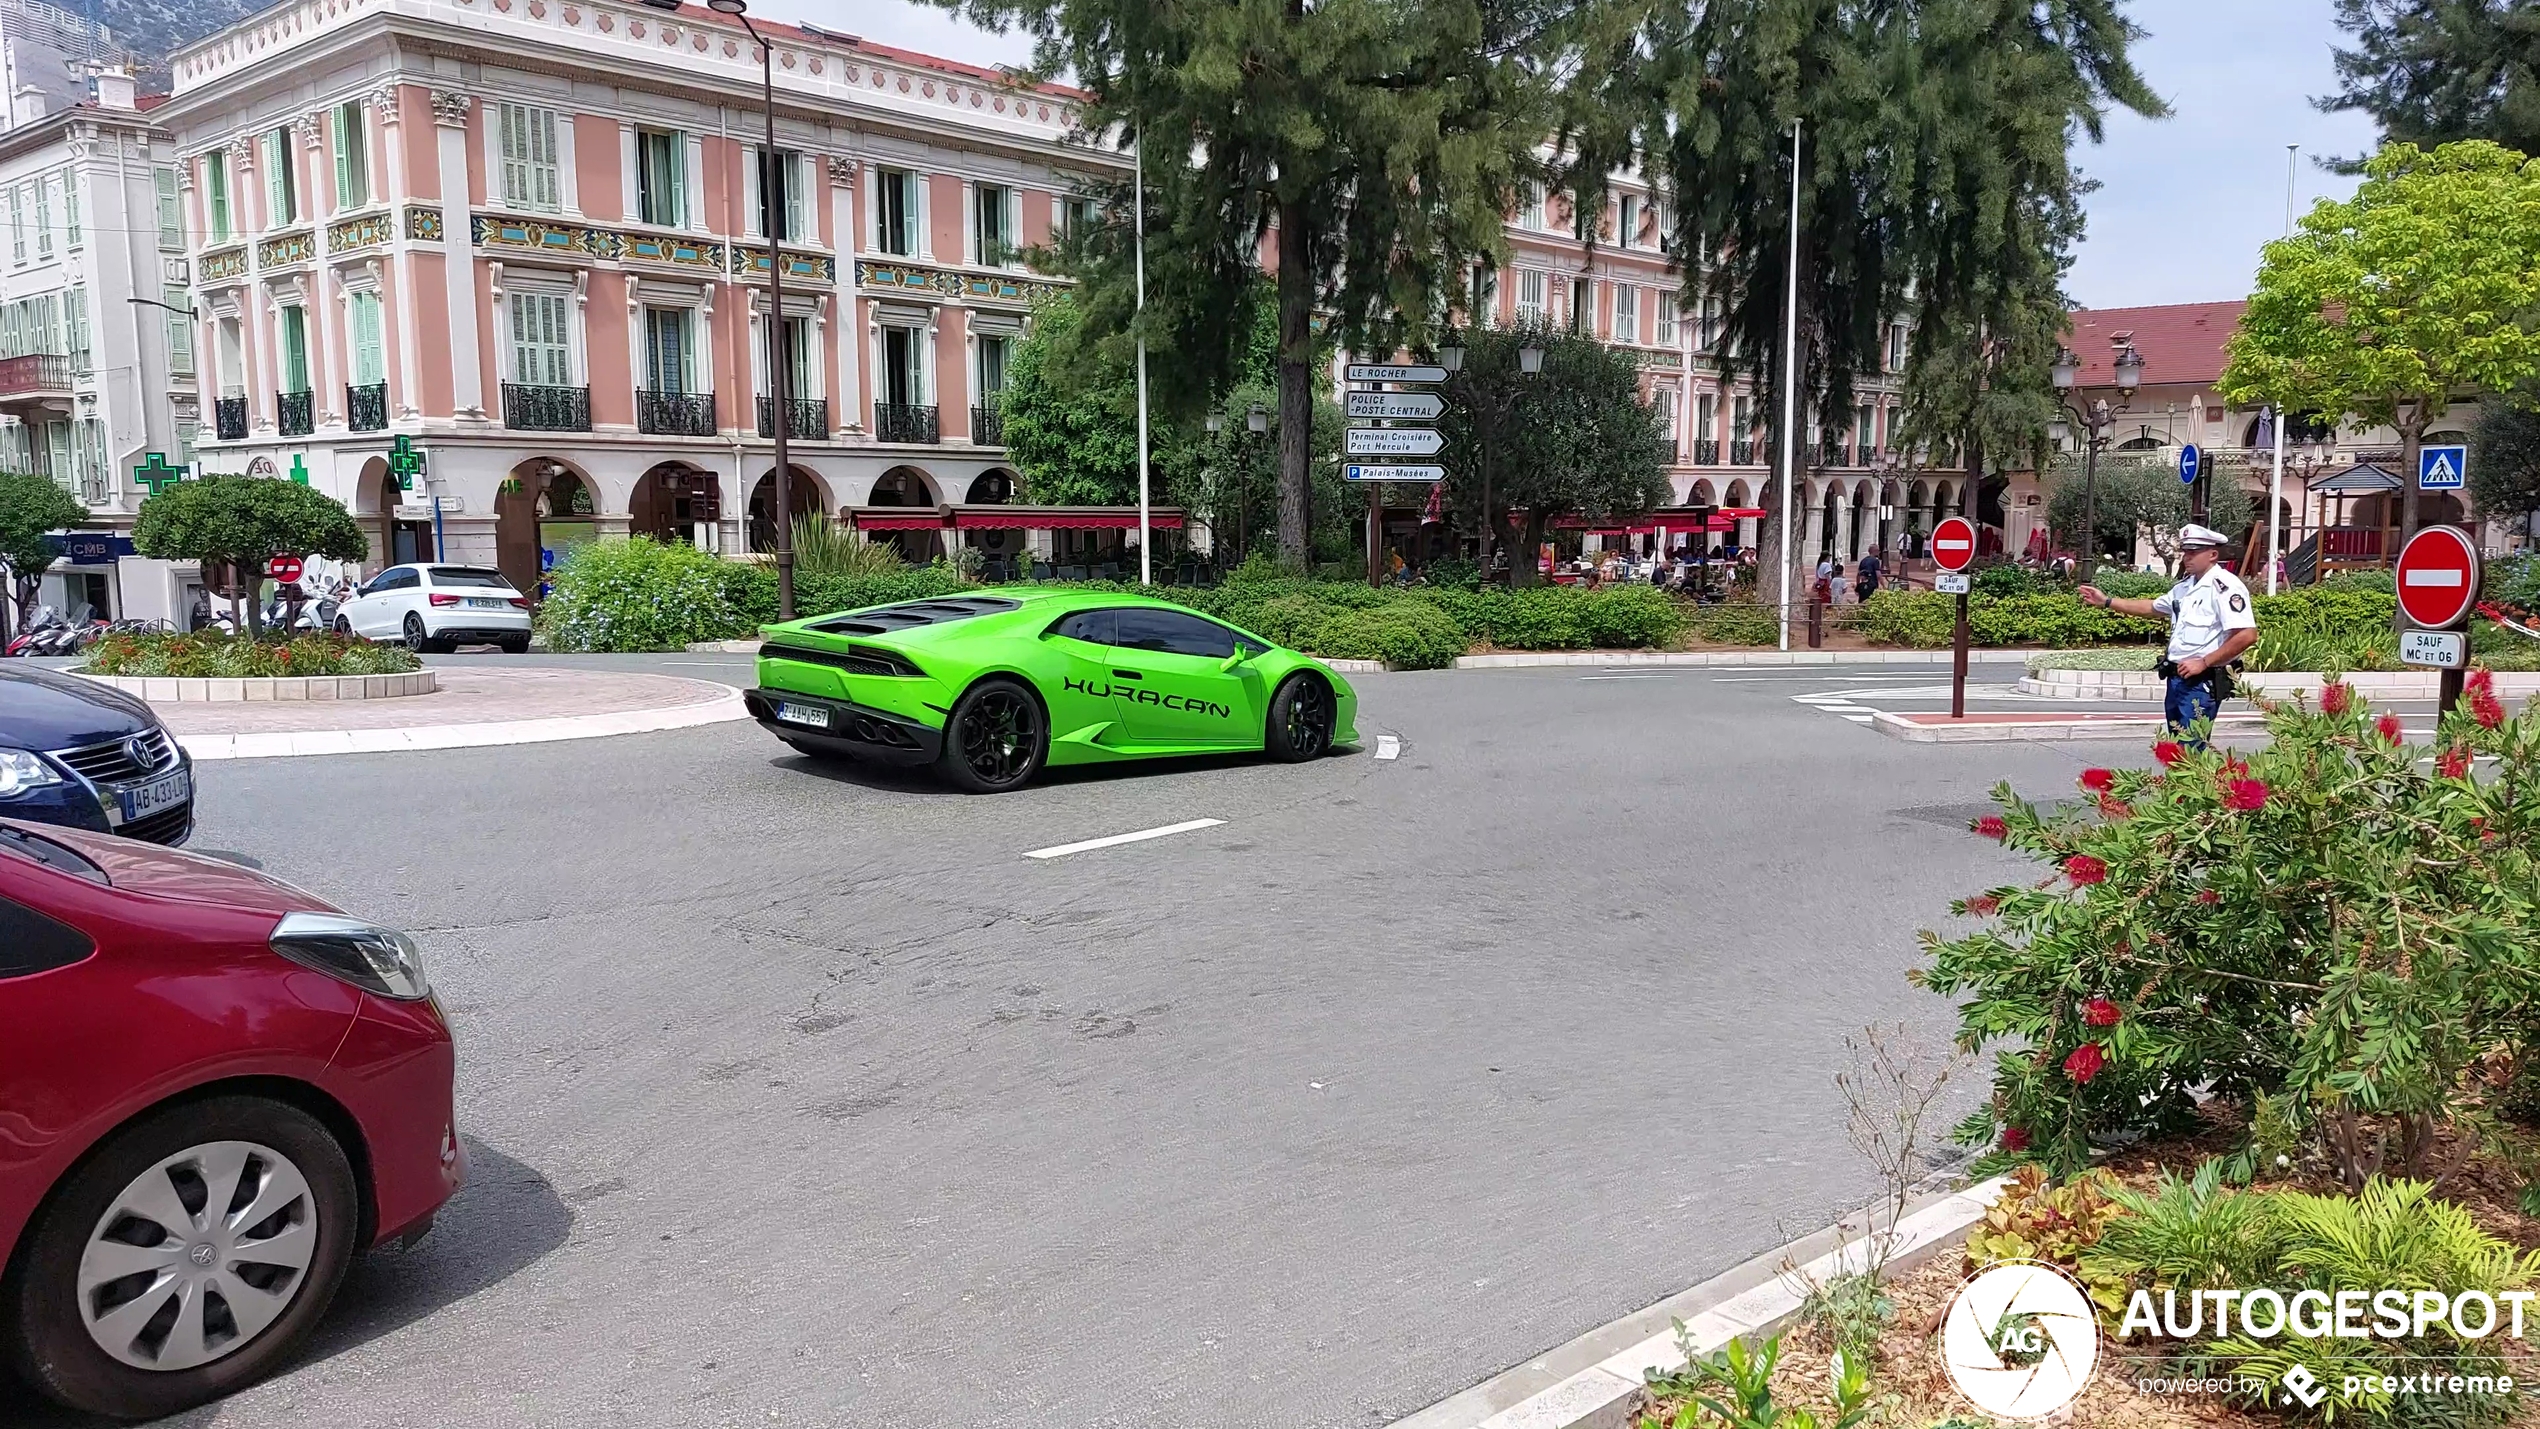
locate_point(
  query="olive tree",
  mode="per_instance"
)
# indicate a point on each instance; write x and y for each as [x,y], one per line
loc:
[239,523]
[31,507]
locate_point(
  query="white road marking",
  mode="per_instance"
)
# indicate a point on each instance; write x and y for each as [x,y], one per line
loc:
[1063,850]
[1858,718]
[1627,677]
[1388,747]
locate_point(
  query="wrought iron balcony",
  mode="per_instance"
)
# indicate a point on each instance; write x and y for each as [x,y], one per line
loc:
[1706,451]
[546,409]
[987,425]
[1835,452]
[366,406]
[35,374]
[291,414]
[229,418]
[806,418]
[1742,452]
[674,414]
[906,422]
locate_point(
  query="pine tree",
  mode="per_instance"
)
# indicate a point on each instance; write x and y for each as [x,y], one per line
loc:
[2433,71]
[1372,144]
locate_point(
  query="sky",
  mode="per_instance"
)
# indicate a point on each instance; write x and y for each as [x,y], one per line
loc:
[2184,203]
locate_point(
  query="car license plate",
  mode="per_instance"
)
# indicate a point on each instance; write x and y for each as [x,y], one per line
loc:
[165,792]
[478,602]
[812,715]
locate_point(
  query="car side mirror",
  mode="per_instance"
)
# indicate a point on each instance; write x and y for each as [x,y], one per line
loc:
[1241,654]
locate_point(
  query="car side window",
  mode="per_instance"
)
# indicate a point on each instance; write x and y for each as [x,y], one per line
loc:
[1094,627]
[1173,633]
[32,943]
[398,579]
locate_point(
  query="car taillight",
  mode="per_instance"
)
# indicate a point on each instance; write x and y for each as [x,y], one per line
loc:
[445,600]
[521,600]
[370,957]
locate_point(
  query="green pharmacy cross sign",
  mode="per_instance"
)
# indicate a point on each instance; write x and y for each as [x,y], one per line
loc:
[405,461]
[156,474]
[299,472]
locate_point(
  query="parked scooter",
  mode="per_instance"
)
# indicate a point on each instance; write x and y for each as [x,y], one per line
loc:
[47,632]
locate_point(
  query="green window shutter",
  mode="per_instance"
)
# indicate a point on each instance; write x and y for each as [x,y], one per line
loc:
[216,189]
[370,363]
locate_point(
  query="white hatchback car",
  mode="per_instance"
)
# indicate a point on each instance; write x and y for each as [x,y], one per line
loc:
[431,606]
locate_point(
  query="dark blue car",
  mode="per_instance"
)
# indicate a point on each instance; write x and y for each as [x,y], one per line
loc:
[79,753]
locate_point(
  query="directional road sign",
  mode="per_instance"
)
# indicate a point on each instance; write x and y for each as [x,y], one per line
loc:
[2438,577]
[1397,406]
[1392,372]
[2442,468]
[1392,441]
[1352,471]
[1953,544]
[2191,464]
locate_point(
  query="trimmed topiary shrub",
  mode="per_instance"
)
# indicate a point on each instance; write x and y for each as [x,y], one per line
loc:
[210,653]
[641,594]
[1408,635]
[1630,617]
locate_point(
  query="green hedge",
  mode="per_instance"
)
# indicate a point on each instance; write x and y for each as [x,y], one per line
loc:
[1921,619]
[211,653]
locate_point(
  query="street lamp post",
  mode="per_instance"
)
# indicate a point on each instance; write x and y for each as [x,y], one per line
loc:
[779,406]
[1489,415]
[1257,422]
[2095,416]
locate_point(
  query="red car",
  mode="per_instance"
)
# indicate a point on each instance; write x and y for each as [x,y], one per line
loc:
[214,1089]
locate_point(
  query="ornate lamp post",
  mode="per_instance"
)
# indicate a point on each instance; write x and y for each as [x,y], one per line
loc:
[2095,416]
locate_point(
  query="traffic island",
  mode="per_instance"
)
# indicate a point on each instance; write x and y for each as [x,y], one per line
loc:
[171,689]
[470,706]
[2001,725]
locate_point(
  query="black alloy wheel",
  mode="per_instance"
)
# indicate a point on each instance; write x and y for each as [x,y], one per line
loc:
[1303,715]
[996,738]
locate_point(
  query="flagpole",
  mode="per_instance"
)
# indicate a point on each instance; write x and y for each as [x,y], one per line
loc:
[2275,484]
[1790,381]
[1146,543]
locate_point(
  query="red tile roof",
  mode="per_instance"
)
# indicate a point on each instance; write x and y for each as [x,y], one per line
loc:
[2179,342]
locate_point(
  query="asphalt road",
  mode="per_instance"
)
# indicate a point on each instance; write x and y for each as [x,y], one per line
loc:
[798,1095]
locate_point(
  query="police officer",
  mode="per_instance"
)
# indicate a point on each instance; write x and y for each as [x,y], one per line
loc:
[2211,623]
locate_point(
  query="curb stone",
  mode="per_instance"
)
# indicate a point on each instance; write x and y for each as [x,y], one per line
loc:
[276,744]
[1978,728]
[1594,1381]
[1523,659]
[723,647]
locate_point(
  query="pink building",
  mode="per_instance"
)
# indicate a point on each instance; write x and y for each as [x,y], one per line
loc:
[1624,288]
[531,238]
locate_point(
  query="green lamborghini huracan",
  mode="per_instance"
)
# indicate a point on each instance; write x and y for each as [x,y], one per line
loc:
[989,687]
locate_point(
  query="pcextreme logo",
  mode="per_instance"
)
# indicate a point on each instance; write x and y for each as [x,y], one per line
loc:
[1148,697]
[2020,1340]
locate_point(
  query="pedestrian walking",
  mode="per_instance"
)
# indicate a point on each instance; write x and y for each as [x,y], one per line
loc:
[1873,570]
[2212,621]
[1836,585]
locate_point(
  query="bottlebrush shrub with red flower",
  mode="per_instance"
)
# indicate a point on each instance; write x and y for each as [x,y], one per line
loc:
[2325,934]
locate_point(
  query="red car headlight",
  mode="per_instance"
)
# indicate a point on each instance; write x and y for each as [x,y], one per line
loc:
[370,957]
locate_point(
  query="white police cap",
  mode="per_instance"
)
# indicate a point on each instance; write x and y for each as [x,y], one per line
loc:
[2191,537]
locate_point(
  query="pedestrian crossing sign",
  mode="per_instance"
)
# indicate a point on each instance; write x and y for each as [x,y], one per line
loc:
[2442,468]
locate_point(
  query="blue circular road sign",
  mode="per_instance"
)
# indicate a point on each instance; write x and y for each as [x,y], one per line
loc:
[2190,463]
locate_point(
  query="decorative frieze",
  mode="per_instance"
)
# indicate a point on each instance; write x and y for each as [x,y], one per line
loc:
[285,249]
[450,107]
[813,267]
[970,287]
[223,266]
[423,223]
[368,230]
[676,252]
[564,240]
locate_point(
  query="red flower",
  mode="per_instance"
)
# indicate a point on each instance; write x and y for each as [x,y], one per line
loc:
[2453,762]
[2485,708]
[2111,807]
[1983,905]
[2014,1138]
[2100,1012]
[2246,795]
[1992,827]
[2336,697]
[2481,678]
[2085,1062]
[2169,752]
[2098,781]
[2389,726]
[2208,897]
[2084,870]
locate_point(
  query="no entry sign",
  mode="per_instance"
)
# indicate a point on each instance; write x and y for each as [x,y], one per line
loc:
[1953,544]
[2438,577]
[284,568]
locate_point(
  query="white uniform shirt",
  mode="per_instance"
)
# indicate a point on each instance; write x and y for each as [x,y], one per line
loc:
[2203,611]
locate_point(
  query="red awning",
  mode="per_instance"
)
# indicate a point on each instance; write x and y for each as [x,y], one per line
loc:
[1026,518]
[915,521]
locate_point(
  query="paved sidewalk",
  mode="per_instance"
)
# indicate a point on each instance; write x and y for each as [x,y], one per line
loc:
[474,706]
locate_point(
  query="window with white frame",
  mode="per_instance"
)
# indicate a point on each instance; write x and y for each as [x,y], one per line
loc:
[780,197]
[989,379]
[1896,347]
[1530,214]
[370,351]
[1706,417]
[282,185]
[1627,314]
[1707,334]
[44,217]
[1484,302]
[895,212]
[1583,306]
[70,207]
[216,195]
[350,135]
[669,349]
[1665,302]
[792,338]
[996,220]
[1076,215]
[1627,228]
[17,224]
[542,339]
[75,327]
[1665,400]
[904,366]
[1530,288]
[32,326]
[295,348]
[526,135]
[661,177]
[171,209]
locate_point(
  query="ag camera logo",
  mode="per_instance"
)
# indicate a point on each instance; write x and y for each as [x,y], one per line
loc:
[2020,1340]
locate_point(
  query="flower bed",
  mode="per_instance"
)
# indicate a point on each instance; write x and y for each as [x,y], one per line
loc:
[211,655]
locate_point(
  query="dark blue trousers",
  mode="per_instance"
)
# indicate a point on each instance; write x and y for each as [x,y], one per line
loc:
[2188,702]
